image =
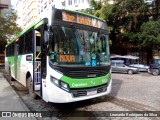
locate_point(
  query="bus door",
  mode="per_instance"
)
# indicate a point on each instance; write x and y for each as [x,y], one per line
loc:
[37,62]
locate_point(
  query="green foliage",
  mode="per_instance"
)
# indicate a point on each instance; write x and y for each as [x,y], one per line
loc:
[150,34]
[95,5]
[8,27]
[130,20]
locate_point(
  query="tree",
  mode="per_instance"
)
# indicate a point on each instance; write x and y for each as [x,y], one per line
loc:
[150,34]
[8,29]
[131,24]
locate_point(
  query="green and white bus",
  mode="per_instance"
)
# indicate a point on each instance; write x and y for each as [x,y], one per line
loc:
[62,58]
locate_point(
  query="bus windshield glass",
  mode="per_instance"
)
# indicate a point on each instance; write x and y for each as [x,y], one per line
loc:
[77,47]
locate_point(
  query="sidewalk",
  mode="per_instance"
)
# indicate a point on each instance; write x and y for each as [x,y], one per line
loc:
[10,101]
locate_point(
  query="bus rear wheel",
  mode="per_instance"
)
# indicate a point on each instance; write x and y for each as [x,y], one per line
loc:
[30,88]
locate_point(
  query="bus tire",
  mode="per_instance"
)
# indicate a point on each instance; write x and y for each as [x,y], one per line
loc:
[30,88]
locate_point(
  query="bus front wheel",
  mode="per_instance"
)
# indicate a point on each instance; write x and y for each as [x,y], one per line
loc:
[30,88]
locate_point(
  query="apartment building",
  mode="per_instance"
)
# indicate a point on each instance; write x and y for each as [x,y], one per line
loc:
[44,7]
[26,11]
[77,4]
[30,11]
[5,6]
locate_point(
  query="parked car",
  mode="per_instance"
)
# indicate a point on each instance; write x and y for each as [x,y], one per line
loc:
[141,67]
[120,67]
[155,67]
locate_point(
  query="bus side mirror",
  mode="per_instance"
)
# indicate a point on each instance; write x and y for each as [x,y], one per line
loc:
[46,36]
[46,40]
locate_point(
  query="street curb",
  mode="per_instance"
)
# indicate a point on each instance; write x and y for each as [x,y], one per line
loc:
[20,100]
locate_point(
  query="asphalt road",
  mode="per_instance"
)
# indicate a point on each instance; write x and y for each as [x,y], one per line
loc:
[137,92]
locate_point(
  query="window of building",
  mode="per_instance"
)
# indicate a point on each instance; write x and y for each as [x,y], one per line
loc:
[88,1]
[45,5]
[42,9]
[75,1]
[39,11]
[69,2]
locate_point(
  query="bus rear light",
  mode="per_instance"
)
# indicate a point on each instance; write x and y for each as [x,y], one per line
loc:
[16,40]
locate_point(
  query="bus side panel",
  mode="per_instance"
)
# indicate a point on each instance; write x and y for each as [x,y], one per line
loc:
[19,72]
[6,65]
[24,66]
[9,65]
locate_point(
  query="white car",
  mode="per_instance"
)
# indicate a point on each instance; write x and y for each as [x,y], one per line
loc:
[141,67]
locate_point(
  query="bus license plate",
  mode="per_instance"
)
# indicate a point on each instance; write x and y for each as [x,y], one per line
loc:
[91,92]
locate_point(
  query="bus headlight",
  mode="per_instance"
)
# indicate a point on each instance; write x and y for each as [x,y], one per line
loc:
[60,84]
[64,86]
[55,81]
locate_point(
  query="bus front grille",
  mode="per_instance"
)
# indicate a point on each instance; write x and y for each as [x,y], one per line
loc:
[89,73]
[84,92]
[83,72]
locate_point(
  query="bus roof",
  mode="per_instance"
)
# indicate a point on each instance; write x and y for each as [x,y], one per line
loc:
[83,13]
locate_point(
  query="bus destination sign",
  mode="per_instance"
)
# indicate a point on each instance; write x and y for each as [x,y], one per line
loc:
[81,19]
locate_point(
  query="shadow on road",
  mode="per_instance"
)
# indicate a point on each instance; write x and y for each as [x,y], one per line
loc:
[116,85]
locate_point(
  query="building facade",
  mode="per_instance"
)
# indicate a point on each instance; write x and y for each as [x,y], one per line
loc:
[26,11]
[30,11]
[77,4]
[5,6]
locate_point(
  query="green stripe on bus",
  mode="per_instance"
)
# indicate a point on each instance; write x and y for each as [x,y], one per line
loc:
[19,35]
[39,24]
[85,83]
[31,26]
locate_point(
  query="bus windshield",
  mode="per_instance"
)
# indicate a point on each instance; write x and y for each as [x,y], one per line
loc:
[77,47]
